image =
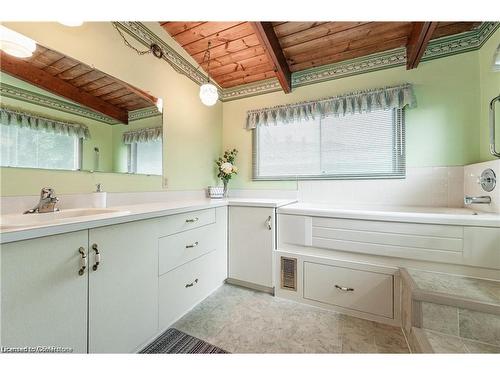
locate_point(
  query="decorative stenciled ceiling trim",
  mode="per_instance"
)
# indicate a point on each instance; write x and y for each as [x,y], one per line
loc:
[17,93]
[140,114]
[142,34]
[459,43]
[437,48]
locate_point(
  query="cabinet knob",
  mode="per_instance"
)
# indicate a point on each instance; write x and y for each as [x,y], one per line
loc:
[83,261]
[97,257]
[193,220]
[192,245]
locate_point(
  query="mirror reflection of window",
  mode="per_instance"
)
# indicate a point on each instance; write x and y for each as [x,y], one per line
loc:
[145,157]
[35,148]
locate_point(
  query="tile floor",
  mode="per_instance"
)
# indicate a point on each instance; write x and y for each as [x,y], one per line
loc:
[243,321]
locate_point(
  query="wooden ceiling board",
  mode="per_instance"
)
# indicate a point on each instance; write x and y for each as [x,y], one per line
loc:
[318,31]
[174,28]
[235,57]
[248,79]
[248,72]
[60,66]
[382,40]
[225,36]
[241,65]
[347,55]
[115,94]
[98,83]
[87,78]
[203,31]
[452,28]
[287,28]
[355,33]
[44,59]
[237,45]
[74,72]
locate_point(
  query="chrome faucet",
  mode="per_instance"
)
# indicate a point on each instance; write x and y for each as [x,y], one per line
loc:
[484,199]
[47,202]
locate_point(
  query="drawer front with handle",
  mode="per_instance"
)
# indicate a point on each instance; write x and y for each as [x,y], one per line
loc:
[363,291]
[186,221]
[184,287]
[180,248]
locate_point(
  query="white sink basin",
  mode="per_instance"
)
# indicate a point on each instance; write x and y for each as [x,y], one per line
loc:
[59,217]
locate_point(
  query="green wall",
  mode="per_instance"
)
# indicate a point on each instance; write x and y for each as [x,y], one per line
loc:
[446,128]
[490,88]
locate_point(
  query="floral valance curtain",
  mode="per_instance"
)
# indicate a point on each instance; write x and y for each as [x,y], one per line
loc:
[35,122]
[143,135]
[356,102]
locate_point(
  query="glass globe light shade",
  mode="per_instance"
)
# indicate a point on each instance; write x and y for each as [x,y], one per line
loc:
[16,44]
[208,94]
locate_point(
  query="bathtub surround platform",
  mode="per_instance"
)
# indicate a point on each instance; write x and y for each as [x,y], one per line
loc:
[444,313]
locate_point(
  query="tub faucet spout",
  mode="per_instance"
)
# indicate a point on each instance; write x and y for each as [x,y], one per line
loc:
[484,199]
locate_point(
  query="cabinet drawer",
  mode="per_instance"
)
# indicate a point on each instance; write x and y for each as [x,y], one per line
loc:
[179,291]
[183,247]
[185,221]
[369,292]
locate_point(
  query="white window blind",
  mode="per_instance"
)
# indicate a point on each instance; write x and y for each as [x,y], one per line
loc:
[366,145]
[32,148]
[145,157]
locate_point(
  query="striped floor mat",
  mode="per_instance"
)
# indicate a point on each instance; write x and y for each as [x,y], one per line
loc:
[173,341]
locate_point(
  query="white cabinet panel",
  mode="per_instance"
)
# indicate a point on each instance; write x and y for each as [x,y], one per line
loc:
[251,245]
[364,291]
[44,299]
[185,221]
[123,291]
[184,287]
[180,248]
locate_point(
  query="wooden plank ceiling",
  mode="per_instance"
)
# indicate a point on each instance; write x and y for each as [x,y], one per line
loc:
[240,55]
[71,79]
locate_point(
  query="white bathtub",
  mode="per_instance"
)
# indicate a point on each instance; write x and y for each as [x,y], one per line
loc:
[412,214]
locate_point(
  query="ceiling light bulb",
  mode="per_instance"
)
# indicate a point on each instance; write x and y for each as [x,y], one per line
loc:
[208,94]
[71,23]
[16,44]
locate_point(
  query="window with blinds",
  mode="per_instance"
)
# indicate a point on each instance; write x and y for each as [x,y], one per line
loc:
[357,146]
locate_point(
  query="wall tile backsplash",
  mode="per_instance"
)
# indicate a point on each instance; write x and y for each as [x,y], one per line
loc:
[426,186]
[472,173]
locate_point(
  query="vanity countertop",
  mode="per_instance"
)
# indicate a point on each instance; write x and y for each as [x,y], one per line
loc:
[129,213]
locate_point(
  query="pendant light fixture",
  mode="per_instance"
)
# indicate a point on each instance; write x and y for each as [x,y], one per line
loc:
[16,44]
[208,92]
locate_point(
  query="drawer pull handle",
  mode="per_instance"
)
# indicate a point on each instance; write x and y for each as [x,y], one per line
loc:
[194,220]
[97,257]
[344,288]
[268,222]
[192,284]
[83,261]
[192,245]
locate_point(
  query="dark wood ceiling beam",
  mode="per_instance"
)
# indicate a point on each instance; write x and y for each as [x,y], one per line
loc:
[38,77]
[266,35]
[417,43]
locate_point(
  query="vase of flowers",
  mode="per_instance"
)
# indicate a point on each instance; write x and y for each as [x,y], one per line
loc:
[226,168]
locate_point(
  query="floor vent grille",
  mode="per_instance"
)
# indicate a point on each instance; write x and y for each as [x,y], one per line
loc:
[288,273]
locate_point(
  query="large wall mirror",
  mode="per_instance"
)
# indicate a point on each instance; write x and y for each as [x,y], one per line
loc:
[58,113]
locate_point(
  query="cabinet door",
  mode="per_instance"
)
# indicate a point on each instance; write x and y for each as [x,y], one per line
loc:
[44,299]
[251,244]
[123,290]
